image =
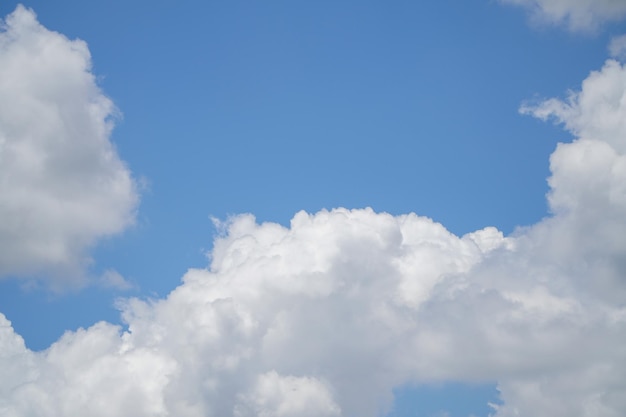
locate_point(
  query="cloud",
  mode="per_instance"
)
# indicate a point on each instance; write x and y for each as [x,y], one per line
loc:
[577,15]
[617,47]
[577,257]
[62,185]
[315,319]
[113,279]
[286,396]
[325,317]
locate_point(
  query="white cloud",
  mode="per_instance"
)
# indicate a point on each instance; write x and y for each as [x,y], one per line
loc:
[279,396]
[62,184]
[577,15]
[326,316]
[617,47]
[579,256]
[113,279]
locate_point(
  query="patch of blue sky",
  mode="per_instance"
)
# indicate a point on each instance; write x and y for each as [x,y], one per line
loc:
[450,399]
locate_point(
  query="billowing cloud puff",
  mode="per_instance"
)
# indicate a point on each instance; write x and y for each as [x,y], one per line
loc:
[319,319]
[325,317]
[577,15]
[62,184]
[276,396]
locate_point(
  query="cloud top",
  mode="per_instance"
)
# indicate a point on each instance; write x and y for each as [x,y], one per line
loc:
[62,184]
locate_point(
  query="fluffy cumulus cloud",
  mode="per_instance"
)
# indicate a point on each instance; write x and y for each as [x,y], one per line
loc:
[325,317]
[62,184]
[577,15]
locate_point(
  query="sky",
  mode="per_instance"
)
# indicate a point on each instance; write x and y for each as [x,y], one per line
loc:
[291,209]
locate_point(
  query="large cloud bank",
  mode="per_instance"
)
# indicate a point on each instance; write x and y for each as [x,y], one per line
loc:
[62,184]
[325,317]
[577,15]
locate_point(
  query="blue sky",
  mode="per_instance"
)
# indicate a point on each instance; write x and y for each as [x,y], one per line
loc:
[273,108]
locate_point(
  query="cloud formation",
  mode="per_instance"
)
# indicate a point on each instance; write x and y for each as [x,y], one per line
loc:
[617,47]
[325,317]
[62,184]
[576,15]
